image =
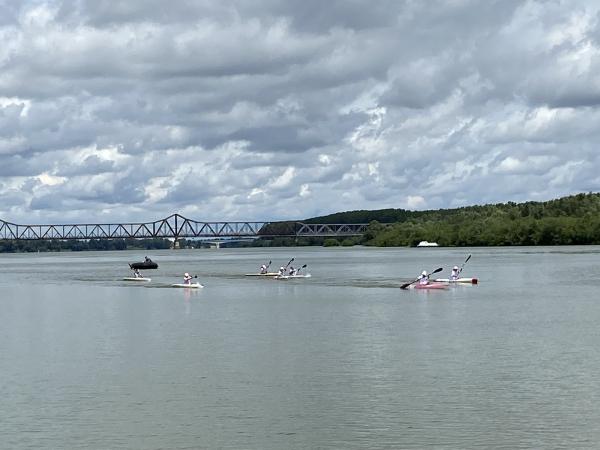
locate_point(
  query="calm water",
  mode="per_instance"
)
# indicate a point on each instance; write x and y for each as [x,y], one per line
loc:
[342,360]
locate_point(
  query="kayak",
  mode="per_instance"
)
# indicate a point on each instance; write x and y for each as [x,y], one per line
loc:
[431,286]
[268,274]
[459,280]
[287,277]
[136,279]
[190,286]
[144,265]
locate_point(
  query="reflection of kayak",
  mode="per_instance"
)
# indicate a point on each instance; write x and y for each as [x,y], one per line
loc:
[268,274]
[459,280]
[431,286]
[144,265]
[288,277]
[136,279]
[190,286]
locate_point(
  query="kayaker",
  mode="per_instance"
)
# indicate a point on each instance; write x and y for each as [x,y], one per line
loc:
[292,271]
[263,269]
[423,278]
[187,278]
[281,271]
[454,274]
[136,273]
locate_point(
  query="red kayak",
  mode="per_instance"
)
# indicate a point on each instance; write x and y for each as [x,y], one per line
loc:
[431,286]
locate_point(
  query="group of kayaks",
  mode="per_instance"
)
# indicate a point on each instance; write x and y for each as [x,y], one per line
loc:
[149,264]
[287,272]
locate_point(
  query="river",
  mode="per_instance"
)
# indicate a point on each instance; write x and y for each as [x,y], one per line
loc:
[341,360]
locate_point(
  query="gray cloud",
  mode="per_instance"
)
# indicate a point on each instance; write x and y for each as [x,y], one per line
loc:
[277,110]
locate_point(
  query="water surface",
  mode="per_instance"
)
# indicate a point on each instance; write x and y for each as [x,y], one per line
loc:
[344,359]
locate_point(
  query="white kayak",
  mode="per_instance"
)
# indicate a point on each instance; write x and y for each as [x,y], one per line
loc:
[187,285]
[136,279]
[268,274]
[458,280]
[290,277]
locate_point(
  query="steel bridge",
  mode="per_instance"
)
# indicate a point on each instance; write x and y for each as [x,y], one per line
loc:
[175,227]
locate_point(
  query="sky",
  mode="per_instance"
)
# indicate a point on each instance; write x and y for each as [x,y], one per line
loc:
[274,110]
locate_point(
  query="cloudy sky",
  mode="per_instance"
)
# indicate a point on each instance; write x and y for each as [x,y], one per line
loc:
[266,110]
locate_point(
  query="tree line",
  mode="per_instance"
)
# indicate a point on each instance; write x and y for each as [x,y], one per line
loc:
[568,220]
[565,221]
[19,246]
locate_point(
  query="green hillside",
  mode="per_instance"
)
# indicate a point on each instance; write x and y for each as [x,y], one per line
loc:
[569,220]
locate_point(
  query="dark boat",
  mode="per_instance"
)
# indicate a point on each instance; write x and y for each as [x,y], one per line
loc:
[147,264]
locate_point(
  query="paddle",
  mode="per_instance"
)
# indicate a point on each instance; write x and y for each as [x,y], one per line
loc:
[405,285]
[298,271]
[463,264]
[286,266]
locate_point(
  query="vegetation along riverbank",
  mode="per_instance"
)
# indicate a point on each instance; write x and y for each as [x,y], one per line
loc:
[572,220]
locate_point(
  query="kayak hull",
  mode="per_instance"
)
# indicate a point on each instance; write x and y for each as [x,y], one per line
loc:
[268,274]
[431,286]
[136,279]
[459,280]
[188,286]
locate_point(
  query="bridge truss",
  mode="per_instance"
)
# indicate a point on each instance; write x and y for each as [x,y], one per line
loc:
[173,227]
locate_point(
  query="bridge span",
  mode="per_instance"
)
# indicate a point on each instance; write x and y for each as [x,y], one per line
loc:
[174,227]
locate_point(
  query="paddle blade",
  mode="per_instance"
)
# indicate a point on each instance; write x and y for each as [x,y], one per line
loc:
[437,270]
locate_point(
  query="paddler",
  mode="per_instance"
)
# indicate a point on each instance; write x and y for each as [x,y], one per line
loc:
[263,269]
[454,274]
[292,271]
[187,278]
[423,278]
[281,271]
[136,273]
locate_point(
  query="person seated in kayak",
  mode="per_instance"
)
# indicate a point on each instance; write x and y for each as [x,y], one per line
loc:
[263,269]
[187,278]
[281,271]
[423,278]
[292,271]
[454,273]
[136,273]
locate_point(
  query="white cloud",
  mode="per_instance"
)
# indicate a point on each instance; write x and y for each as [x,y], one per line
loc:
[50,180]
[268,111]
